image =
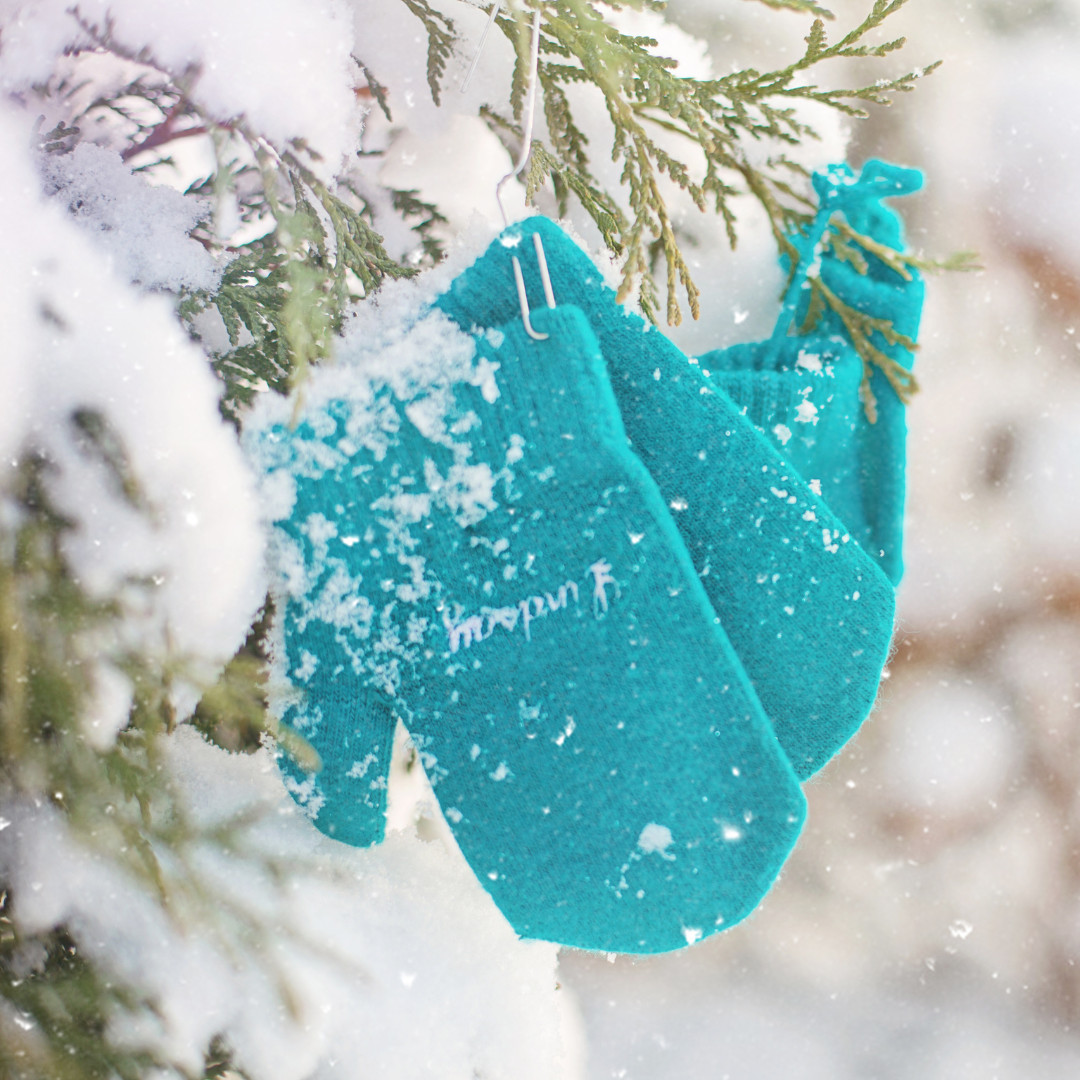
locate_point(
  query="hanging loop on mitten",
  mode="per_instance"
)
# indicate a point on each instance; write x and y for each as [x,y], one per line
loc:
[832,397]
[838,189]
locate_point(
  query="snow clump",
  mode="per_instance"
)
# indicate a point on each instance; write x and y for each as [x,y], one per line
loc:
[180,543]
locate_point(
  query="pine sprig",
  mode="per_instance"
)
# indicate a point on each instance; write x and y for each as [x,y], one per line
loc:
[845,242]
[289,290]
[861,329]
[234,712]
[802,6]
[378,91]
[599,205]
[440,33]
[852,247]
[250,298]
[410,206]
[60,140]
[319,261]
[286,292]
[643,93]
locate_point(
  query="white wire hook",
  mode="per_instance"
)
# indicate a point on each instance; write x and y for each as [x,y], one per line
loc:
[519,164]
[480,46]
[530,113]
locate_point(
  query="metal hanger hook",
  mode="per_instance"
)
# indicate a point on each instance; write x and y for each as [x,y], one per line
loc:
[530,114]
[545,278]
[480,46]
[519,164]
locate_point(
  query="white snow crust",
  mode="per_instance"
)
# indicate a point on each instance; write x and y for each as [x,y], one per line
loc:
[397,963]
[142,229]
[282,65]
[187,559]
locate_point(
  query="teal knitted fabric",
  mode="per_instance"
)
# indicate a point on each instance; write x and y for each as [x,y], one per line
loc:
[489,560]
[803,392]
[808,613]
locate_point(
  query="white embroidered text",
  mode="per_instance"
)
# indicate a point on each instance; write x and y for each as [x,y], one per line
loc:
[601,572]
[464,632]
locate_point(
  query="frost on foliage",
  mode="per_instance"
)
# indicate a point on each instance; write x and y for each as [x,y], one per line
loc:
[398,963]
[142,229]
[105,385]
[283,65]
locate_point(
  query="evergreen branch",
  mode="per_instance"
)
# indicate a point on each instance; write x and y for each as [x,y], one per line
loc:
[814,311]
[66,1007]
[52,634]
[409,205]
[850,253]
[818,49]
[599,206]
[289,290]
[165,132]
[541,163]
[802,6]
[440,32]
[841,236]
[60,140]
[569,141]
[861,328]
[98,440]
[878,94]
[234,712]
[777,214]
[318,283]
[250,298]
[378,91]
[642,91]
[958,262]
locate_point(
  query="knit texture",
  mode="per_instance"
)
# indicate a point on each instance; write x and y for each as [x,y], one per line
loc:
[808,613]
[804,395]
[495,564]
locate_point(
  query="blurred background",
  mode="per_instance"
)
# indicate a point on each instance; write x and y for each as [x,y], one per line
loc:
[928,925]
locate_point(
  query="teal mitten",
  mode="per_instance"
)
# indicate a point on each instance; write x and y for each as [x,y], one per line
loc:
[838,421]
[488,557]
[808,613]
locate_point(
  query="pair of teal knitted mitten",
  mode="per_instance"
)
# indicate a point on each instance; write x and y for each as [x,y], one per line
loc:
[616,622]
[807,611]
[485,557]
[808,393]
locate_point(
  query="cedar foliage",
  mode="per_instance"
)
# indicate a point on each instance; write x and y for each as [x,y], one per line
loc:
[719,119]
